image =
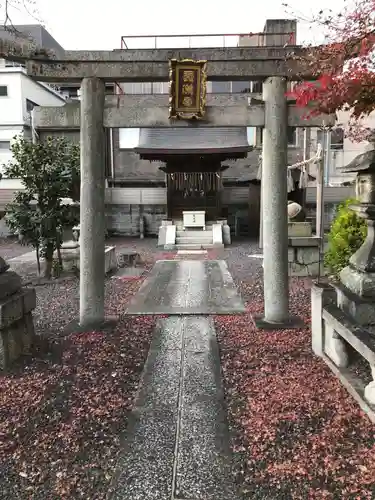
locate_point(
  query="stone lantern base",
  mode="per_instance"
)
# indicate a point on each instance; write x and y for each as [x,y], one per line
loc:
[17,333]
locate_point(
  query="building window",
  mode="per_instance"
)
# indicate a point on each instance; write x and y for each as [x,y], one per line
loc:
[5,145]
[337,138]
[291,133]
[160,88]
[292,136]
[3,91]
[221,87]
[257,87]
[241,87]
[128,138]
[30,105]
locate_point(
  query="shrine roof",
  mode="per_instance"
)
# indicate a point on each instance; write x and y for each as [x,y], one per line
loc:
[194,140]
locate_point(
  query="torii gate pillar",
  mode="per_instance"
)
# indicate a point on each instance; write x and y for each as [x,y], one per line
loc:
[92,205]
[274,207]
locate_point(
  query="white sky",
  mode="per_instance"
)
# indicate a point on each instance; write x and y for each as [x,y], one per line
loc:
[97,24]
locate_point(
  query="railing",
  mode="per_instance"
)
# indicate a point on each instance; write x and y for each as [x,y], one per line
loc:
[262,39]
[340,334]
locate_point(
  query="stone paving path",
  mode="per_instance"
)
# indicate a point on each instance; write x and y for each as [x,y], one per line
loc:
[177,445]
[188,287]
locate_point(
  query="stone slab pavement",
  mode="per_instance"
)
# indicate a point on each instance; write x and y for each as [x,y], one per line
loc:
[188,287]
[177,442]
[178,445]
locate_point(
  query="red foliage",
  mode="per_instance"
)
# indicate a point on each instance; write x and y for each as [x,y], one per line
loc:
[344,66]
[297,434]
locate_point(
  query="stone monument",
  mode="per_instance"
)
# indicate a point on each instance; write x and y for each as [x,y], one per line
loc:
[16,322]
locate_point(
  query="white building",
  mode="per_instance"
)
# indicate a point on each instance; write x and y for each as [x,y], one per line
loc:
[342,150]
[18,95]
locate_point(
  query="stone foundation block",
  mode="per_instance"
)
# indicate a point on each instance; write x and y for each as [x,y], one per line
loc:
[299,229]
[128,258]
[307,255]
[17,305]
[10,282]
[15,340]
[370,393]
[362,310]
[71,259]
[359,282]
[304,260]
[167,235]
[321,295]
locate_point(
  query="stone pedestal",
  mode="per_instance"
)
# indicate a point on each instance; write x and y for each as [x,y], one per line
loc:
[304,256]
[16,323]
[299,229]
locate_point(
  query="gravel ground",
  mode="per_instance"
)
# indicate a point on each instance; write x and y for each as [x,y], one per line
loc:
[10,248]
[297,434]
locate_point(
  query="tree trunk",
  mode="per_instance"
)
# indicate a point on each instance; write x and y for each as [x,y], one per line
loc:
[38,259]
[59,256]
[49,262]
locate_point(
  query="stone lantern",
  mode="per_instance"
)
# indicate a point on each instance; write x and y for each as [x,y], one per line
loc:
[356,294]
[16,322]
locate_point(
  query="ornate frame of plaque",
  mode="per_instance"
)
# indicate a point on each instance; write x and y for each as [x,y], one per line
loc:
[187,89]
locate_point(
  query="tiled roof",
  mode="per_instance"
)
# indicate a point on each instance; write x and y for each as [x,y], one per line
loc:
[194,140]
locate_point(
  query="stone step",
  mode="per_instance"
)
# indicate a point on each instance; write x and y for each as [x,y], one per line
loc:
[197,230]
[198,241]
[196,246]
[194,234]
[179,224]
[194,231]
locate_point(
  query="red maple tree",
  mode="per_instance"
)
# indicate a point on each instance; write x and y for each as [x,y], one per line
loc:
[344,66]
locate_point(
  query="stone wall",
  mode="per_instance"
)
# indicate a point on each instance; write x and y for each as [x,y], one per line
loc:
[129,167]
[125,219]
[303,261]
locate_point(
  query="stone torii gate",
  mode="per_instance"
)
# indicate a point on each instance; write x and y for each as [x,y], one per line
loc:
[97,111]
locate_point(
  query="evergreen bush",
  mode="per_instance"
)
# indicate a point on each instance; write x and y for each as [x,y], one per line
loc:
[347,233]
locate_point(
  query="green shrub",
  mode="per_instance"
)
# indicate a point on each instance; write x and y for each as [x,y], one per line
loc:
[348,232]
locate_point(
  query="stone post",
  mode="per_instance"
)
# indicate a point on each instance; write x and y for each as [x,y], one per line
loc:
[92,216]
[274,206]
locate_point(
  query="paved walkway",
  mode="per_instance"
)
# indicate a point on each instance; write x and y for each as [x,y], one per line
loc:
[188,287]
[177,444]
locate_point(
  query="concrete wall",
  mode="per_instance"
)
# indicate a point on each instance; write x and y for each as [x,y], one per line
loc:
[14,117]
[11,106]
[39,93]
[21,87]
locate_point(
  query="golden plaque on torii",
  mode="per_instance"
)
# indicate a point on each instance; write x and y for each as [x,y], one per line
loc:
[187,89]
